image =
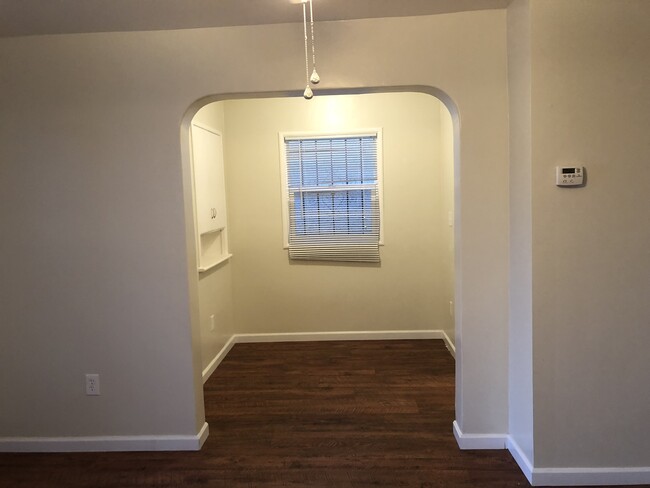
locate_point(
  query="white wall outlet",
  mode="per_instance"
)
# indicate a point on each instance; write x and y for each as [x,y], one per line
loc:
[92,384]
[212,322]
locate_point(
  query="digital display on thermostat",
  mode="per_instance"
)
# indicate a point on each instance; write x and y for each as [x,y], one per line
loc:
[568,170]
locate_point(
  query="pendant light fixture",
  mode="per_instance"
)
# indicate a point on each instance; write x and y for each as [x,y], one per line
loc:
[314,78]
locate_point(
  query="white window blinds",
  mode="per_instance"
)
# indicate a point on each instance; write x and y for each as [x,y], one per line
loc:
[333,198]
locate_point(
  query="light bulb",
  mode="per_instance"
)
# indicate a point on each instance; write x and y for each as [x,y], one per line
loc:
[308,94]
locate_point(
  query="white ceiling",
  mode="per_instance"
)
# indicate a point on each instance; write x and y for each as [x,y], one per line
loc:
[34,17]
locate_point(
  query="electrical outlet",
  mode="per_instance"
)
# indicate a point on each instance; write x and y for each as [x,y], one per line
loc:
[92,384]
[212,322]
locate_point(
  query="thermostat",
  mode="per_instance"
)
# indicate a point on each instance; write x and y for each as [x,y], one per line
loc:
[569,176]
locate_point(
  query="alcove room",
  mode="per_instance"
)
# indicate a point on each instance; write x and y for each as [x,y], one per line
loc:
[255,287]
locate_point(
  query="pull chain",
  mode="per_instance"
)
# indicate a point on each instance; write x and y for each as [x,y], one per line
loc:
[315,79]
[308,94]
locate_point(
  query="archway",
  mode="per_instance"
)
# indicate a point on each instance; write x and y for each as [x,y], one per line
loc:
[450,216]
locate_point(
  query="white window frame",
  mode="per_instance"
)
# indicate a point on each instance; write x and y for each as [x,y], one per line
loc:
[376,132]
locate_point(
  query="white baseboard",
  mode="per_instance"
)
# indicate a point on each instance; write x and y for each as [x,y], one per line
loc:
[216,361]
[576,476]
[341,336]
[451,347]
[479,441]
[106,443]
[521,459]
[590,476]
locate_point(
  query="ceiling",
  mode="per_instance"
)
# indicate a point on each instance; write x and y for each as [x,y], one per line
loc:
[36,17]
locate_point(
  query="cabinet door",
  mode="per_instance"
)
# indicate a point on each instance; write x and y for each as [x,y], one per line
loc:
[209,183]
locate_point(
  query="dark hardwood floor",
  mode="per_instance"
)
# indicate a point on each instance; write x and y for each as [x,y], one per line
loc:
[316,414]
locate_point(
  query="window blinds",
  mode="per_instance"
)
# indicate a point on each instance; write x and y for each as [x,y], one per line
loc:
[333,198]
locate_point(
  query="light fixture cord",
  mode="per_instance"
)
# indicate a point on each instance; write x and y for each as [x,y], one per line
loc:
[313,44]
[304,21]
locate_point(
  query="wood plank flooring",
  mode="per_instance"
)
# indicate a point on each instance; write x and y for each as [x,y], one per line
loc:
[317,414]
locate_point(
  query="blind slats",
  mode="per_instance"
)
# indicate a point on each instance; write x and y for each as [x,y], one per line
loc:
[333,198]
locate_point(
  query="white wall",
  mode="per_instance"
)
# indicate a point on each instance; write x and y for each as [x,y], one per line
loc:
[96,229]
[215,285]
[409,290]
[591,261]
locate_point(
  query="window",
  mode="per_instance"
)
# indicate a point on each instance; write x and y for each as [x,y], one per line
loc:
[332,196]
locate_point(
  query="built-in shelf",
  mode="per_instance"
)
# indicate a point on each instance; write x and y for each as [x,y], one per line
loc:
[208,267]
[211,231]
[213,249]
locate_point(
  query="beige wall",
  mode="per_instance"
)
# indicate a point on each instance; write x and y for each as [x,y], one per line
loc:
[410,289]
[591,107]
[97,249]
[215,285]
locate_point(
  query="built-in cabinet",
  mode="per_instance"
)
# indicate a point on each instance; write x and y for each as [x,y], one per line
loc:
[209,196]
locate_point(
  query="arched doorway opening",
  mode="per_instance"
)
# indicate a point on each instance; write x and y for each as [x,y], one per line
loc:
[261,295]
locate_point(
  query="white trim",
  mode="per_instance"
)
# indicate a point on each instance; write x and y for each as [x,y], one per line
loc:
[479,441]
[451,347]
[576,476]
[203,435]
[216,361]
[590,476]
[106,443]
[521,459]
[340,336]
